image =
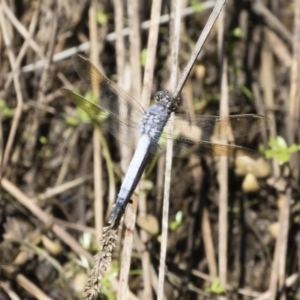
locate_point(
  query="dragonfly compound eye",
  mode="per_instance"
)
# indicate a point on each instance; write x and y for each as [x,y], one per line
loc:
[159,96]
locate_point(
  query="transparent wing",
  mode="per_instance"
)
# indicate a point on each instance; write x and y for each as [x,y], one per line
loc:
[200,133]
[121,115]
[117,111]
[111,97]
[126,132]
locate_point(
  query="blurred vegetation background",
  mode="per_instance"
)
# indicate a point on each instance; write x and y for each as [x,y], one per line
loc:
[48,164]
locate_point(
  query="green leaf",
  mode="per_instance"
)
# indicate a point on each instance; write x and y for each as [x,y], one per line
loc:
[279,149]
[107,289]
[216,287]
[197,6]
[101,17]
[237,32]
[43,140]
[281,142]
[177,222]
[72,121]
[247,92]
[143,57]
[5,110]
[294,148]
[83,116]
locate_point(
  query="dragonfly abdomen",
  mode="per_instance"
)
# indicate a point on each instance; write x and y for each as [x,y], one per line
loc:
[132,177]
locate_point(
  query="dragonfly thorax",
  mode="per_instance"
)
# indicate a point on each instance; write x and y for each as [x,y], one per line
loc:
[166,99]
[155,120]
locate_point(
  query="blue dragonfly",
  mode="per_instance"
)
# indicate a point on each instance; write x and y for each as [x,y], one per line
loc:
[143,130]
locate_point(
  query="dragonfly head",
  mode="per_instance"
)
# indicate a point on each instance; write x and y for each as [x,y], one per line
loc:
[166,99]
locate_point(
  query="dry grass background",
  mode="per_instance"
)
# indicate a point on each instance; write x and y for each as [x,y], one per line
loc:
[239,233]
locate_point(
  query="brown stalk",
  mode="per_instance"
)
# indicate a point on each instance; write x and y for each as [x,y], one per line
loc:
[44,217]
[268,85]
[210,22]
[130,217]
[68,157]
[145,101]
[293,115]
[174,48]
[134,38]
[271,20]
[18,111]
[58,189]
[186,72]
[22,30]
[24,48]
[105,238]
[109,38]
[223,161]
[31,288]
[98,189]
[39,113]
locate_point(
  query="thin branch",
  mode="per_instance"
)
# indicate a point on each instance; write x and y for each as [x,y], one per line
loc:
[151,52]
[223,166]
[44,217]
[135,45]
[32,27]
[292,122]
[22,30]
[208,26]
[136,87]
[174,46]
[98,188]
[18,111]
[110,38]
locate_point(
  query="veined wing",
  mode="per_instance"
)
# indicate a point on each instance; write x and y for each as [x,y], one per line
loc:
[126,132]
[200,133]
[111,96]
[117,111]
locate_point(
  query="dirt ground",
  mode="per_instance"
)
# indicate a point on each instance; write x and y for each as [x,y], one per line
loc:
[233,227]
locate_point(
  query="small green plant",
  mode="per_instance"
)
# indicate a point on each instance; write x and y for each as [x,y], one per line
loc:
[237,32]
[197,6]
[102,17]
[107,289]
[279,149]
[5,110]
[143,57]
[84,117]
[43,140]
[216,287]
[177,222]
[246,92]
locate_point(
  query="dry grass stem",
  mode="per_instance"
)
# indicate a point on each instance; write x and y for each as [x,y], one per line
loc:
[109,38]
[8,43]
[174,47]
[223,162]
[224,225]
[210,22]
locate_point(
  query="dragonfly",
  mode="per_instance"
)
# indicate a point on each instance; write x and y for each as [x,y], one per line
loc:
[143,130]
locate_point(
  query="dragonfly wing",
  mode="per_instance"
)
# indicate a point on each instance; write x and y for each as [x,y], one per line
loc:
[196,134]
[185,148]
[111,96]
[203,128]
[128,133]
